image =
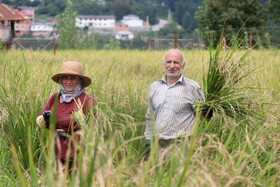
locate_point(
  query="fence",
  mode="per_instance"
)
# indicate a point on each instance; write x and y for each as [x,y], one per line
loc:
[35,43]
[269,38]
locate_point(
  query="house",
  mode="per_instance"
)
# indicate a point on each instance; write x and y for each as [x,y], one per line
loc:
[124,35]
[23,27]
[4,34]
[95,21]
[4,24]
[42,29]
[8,17]
[122,32]
[132,21]
[26,11]
[51,21]
[121,27]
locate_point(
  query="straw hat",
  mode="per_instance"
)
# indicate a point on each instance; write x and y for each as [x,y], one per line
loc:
[72,68]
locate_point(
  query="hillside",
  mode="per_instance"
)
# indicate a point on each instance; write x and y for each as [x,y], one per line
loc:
[182,10]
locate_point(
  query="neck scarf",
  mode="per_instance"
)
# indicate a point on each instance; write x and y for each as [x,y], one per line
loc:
[68,96]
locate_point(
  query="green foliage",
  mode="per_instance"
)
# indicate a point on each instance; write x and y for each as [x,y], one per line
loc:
[274,7]
[86,41]
[145,9]
[51,7]
[16,3]
[188,21]
[215,15]
[105,41]
[86,7]
[184,12]
[113,45]
[136,43]
[121,8]
[16,130]
[67,29]
[221,83]
[169,29]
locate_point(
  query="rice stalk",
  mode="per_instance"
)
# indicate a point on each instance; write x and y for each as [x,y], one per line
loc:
[223,155]
[222,87]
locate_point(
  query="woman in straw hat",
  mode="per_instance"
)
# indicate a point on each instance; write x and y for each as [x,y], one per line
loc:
[70,98]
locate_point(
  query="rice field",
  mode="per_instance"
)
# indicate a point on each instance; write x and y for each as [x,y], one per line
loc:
[222,152]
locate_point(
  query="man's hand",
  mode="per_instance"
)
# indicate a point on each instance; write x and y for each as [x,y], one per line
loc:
[207,113]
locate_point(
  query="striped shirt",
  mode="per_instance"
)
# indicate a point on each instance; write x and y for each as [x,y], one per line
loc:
[170,113]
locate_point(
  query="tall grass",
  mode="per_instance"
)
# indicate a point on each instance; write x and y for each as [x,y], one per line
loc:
[223,154]
[224,93]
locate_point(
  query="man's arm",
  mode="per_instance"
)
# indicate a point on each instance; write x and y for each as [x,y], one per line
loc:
[149,115]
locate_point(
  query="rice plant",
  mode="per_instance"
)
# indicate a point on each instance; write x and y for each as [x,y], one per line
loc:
[226,151]
[224,93]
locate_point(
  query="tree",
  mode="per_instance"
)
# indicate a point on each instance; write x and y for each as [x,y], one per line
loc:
[51,7]
[143,9]
[184,12]
[67,29]
[188,22]
[274,7]
[86,7]
[214,15]
[121,8]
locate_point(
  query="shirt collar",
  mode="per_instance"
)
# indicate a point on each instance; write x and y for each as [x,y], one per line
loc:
[181,79]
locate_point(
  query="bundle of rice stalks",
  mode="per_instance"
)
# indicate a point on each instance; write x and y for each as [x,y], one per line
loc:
[223,91]
[82,121]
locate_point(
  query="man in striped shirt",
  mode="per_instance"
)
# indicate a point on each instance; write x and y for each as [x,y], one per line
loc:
[170,114]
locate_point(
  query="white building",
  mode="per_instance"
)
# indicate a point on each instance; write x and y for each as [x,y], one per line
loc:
[124,35]
[132,21]
[95,21]
[41,29]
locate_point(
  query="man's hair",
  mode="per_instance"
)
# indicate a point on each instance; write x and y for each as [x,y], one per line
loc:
[177,51]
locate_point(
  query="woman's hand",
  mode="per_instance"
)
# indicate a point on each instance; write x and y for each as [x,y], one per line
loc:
[41,122]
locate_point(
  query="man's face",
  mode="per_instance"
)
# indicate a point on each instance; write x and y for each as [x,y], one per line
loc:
[173,64]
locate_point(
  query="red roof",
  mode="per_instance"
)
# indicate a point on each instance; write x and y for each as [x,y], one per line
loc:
[9,14]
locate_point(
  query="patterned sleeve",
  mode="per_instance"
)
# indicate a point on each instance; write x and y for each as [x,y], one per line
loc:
[200,95]
[150,112]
